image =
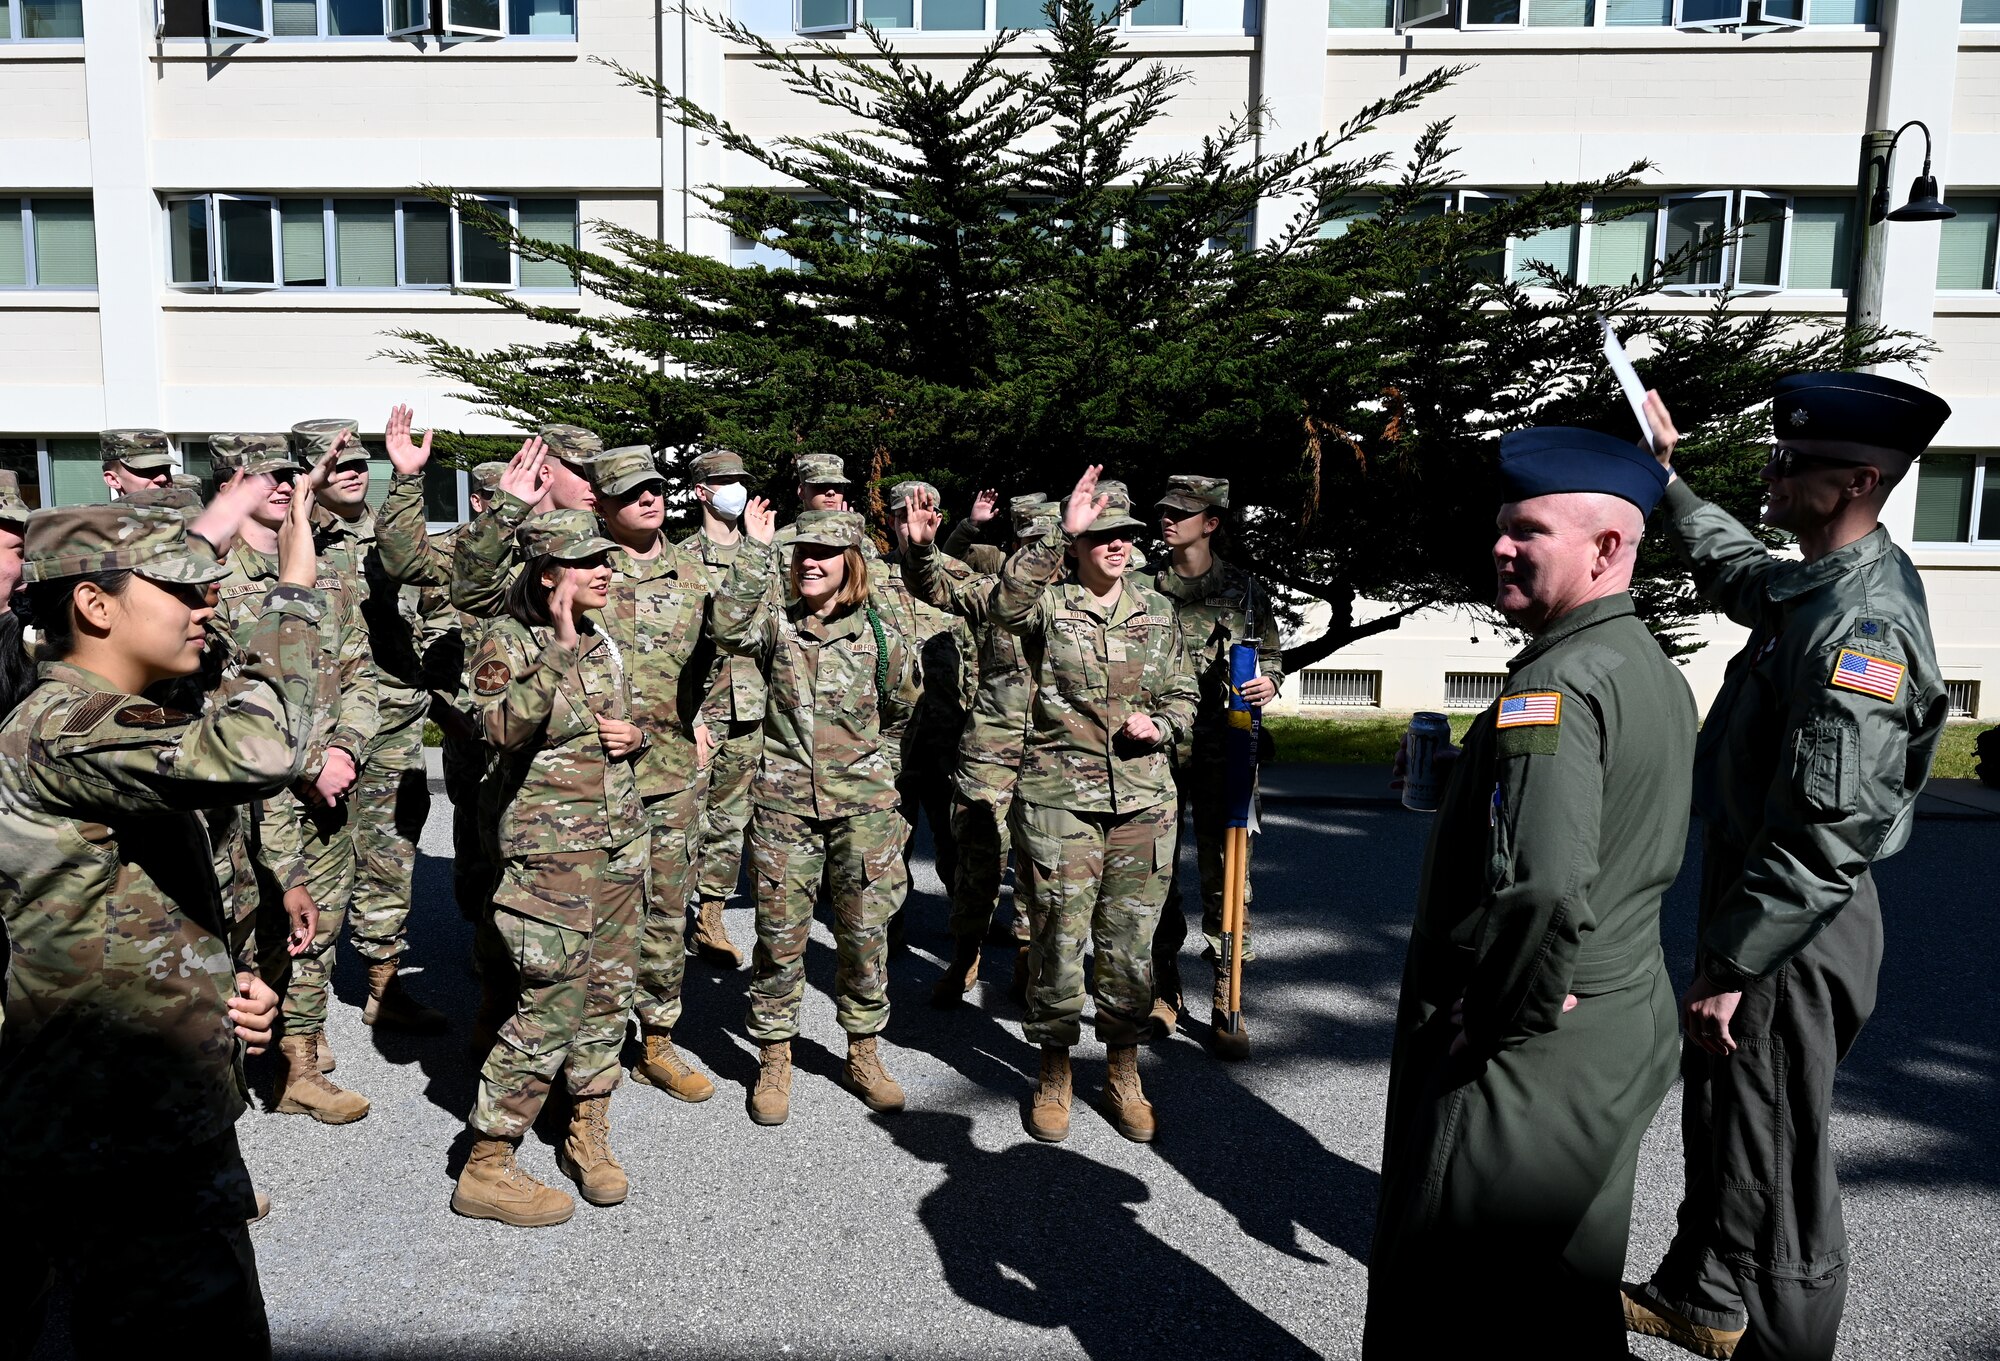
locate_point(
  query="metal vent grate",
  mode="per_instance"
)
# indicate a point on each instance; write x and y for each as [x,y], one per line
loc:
[1358,689]
[1472,689]
[1963,698]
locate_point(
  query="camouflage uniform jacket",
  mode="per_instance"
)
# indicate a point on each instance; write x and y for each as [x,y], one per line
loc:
[654,614]
[402,620]
[539,702]
[1214,613]
[1092,671]
[735,685]
[990,750]
[829,745]
[411,554]
[483,559]
[944,650]
[118,1048]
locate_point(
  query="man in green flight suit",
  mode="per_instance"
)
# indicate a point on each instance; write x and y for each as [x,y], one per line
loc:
[1535,1035]
[1808,771]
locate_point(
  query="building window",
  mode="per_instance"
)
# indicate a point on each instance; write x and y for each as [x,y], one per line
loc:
[47,243]
[76,472]
[1472,689]
[1961,698]
[45,20]
[237,241]
[23,458]
[1520,14]
[1958,499]
[1979,12]
[963,16]
[255,20]
[1966,246]
[1753,263]
[1350,689]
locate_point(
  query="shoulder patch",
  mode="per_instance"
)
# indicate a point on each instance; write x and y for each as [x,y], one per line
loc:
[1530,709]
[492,678]
[88,712]
[1875,676]
[151,716]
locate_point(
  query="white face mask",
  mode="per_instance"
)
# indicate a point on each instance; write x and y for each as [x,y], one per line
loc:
[728,499]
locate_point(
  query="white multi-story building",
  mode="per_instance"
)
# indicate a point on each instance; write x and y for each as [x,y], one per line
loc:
[209,217]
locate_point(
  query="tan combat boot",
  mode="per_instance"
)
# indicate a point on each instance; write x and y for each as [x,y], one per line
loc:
[865,1076]
[1124,1101]
[711,937]
[1228,1044]
[307,1091]
[1167,1001]
[586,1157]
[663,1067]
[1048,1109]
[263,1210]
[1644,1313]
[494,1186]
[390,1004]
[958,976]
[771,1098]
[323,1053]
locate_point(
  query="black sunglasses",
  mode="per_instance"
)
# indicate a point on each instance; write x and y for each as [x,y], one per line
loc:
[1790,462]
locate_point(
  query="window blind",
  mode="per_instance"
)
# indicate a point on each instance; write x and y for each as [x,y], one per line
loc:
[1822,243]
[295,18]
[364,242]
[1361,13]
[1561,14]
[76,473]
[825,13]
[52,18]
[890,13]
[954,14]
[1638,13]
[553,18]
[426,243]
[302,225]
[1622,251]
[1944,499]
[6,23]
[1555,247]
[65,243]
[1965,244]
[1980,12]
[379,469]
[552,220]
[13,245]
[1760,248]
[1159,13]
[246,242]
[1842,12]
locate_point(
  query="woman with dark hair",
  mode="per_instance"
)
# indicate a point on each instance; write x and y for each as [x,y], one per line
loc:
[121,1060]
[555,702]
[824,802]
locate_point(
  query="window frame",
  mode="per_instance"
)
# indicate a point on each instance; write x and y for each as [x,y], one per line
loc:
[422,26]
[216,264]
[451,29]
[218,29]
[1725,267]
[451,245]
[1742,220]
[1687,25]
[207,281]
[1992,265]
[1438,9]
[458,279]
[15,22]
[799,24]
[26,212]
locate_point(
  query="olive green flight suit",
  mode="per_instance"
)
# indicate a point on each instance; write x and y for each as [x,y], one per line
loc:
[1507,1169]
[1808,770]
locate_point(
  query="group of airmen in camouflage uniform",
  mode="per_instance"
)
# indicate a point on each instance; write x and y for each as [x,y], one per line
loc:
[215,761]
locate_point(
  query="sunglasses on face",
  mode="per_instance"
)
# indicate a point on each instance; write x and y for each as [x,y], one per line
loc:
[1790,462]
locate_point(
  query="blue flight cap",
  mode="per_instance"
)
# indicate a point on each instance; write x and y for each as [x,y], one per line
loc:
[1552,459]
[1857,408]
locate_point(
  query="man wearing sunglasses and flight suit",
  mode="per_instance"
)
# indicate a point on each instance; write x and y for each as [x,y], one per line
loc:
[1807,771]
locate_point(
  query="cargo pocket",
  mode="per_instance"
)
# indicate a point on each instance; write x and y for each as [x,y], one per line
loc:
[551,888]
[1824,774]
[543,952]
[1749,1112]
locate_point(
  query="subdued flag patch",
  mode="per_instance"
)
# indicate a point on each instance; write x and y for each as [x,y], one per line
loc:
[1536,709]
[1870,675]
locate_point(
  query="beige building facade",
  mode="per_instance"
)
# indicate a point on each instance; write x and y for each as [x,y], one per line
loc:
[210,215]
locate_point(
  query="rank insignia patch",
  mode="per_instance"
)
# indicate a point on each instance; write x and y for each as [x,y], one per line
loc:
[1536,709]
[1870,675]
[492,678]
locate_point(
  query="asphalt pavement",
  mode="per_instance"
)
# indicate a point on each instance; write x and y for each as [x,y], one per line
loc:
[945,1231]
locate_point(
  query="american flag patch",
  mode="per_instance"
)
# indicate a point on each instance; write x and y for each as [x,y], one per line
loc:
[1870,675]
[1536,709]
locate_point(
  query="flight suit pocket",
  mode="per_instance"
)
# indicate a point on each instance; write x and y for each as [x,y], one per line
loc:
[1825,754]
[1749,1114]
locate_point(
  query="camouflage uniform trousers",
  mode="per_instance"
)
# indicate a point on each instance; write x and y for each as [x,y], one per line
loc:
[725,813]
[1203,793]
[185,1269]
[981,829]
[474,862]
[924,786]
[391,801]
[862,857]
[674,821]
[1096,880]
[578,975]
[325,838]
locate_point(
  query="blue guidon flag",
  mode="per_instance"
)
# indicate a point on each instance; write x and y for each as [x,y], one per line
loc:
[1239,741]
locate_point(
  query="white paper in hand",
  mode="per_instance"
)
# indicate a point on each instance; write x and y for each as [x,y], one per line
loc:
[1628,378]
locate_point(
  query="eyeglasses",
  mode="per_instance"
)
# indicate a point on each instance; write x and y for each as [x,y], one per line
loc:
[1785,462]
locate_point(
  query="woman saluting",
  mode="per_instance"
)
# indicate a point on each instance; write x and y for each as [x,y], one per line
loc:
[120,1062]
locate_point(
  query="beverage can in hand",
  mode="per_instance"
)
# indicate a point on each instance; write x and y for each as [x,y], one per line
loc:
[1429,734]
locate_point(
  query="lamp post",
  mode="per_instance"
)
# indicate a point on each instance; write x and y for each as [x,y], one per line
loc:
[1873,216]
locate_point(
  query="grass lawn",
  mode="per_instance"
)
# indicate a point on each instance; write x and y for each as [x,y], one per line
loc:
[1371,740]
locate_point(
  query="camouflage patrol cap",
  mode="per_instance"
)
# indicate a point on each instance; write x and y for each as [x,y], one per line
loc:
[619,470]
[1033,516]
[312,439]
[1187,492]
[13,506]
[149,540]
[186,481]
[717,463]
[900,494]
[486,476]
[183,501]
[828,528]
[822,470]
[565,535]
[1117,512]
[571,443]
[141,450]
[232,453]
[1026,501]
